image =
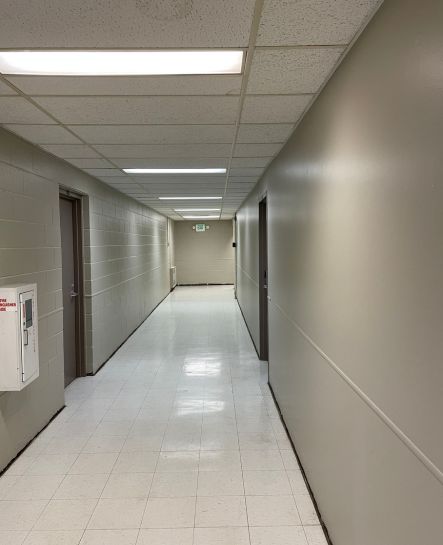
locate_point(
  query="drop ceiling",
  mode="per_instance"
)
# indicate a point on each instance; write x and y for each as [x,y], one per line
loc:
[239,122]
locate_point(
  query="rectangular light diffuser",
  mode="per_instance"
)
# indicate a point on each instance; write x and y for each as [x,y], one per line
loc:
[120,63]
[196,209]
[199,217]
[174,170]
[189,198]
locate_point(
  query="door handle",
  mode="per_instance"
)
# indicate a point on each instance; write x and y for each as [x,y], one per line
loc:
[25,337]
[73,293]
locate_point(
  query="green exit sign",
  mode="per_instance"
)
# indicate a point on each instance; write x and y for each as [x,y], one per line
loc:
[200,227]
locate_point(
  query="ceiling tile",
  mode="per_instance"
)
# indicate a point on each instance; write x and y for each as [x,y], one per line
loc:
[138,24]
[155,134]
[291,71]
[126,187]
[171,162]
[5,89]
[78,151]
[19,110]
[44,134]
[90,163]
[141,110]
[246,172]
[105,172]
[264,133]
[250,161]
[274,109]
[133,85]
[117,179]
[165,150]
[243,179]
[305,22]
[256,150]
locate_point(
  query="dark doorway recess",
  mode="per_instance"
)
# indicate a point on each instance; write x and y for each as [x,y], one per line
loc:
[72,284]
[263,268]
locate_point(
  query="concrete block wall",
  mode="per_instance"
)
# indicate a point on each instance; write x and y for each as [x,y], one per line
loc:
[126,273]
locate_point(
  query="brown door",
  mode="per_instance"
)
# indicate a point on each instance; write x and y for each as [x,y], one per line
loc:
[263,267]
[69,228]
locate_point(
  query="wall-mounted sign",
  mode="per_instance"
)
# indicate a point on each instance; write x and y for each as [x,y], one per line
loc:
[200,227]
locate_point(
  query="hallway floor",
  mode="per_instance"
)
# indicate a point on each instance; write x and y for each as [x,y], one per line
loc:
[176,441]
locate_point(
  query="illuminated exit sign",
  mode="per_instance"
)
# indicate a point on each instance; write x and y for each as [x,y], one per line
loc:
[200,227]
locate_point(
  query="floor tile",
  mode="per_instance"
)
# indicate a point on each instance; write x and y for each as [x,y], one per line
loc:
[128,485]
[169,513]
[117,514]
[175,536]
[51,464]
[315,535]
[12,538]
[136,462]
[278,535]
[266,483]
[221,536]
[216,511]
[109,537]
[103,443]
[66,515]
[6,483]
[178,461]
[171,485]
[261,459]
[76,487]
[220,460]
[220,483]
[306,509]
[20,515]
[66,445]
[272,511]
[92,464]
[289,459]
[56,537]
[297,482]
[34,487]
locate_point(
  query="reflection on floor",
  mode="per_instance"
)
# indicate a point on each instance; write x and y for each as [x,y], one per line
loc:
[176,441]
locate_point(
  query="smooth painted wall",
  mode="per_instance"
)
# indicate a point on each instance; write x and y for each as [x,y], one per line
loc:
[125,269]
[206,257]
[355,227]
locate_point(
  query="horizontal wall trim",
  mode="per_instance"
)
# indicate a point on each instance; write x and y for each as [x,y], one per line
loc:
[250,277]
[430,466]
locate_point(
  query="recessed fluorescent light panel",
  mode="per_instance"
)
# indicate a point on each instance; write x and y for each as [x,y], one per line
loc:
[196,209]
[199,217]
[174,170]
[189,198]
[120,63]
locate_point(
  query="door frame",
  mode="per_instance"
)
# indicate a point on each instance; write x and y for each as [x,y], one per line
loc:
[263,277]
[77,229]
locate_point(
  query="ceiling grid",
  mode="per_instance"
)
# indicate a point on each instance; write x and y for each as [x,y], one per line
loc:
[103,124]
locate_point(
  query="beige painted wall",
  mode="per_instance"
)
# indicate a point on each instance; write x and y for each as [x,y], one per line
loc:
[126,273]
[204,258]
[355,206]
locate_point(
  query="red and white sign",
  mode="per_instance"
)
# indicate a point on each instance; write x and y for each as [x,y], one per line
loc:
[7,306]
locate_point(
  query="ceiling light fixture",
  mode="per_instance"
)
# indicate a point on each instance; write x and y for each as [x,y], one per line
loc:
[196,209]
[189,198]
[174,170]
[199,217]
[120,63]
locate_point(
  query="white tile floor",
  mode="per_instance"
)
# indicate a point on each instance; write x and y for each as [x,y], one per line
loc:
[176,441]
